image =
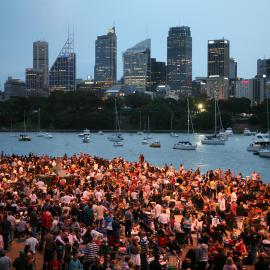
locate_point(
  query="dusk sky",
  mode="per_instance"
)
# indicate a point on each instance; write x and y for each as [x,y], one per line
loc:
[244,22]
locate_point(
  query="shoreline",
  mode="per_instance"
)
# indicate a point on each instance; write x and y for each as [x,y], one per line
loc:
[206,131]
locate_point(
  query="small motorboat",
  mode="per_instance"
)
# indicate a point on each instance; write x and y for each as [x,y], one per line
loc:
[85,132]
[172,134]
[155,144]
[100,132]
[24,138]
[256,146]
[117,137]
[86,139]
[118,144]
[145,142]
[213,140]
[185,145]
[247,132]
[48,135]
[264,152]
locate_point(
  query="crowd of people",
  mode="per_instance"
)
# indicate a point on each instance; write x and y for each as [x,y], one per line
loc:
[88,213]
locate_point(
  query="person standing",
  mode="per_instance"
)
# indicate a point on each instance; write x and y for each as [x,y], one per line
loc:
[5,227]
[5,263]
[91,250]
[32,242]
[203,255]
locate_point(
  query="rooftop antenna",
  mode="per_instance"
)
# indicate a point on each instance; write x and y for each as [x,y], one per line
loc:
[146,31]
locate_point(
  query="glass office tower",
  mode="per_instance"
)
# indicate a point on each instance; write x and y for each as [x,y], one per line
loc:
[62,75]
[137,66]
[179,59]
[106,58]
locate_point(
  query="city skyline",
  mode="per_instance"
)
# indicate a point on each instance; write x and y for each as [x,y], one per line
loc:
[51,25]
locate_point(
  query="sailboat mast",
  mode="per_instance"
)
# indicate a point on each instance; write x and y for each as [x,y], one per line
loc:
[148,123]
[39,119]
[171,121]
[215,114]
[140,120]
[267,107]
[116,118]
[24,122]
[188,114]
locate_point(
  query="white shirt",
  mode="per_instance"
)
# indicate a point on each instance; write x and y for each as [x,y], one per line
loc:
[222,205]
[33,242]
[40,184]
[158,210]
[164,218]
[33,197]
[233,197]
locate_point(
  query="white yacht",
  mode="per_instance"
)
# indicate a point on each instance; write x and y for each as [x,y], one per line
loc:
[264,152]
[155,144]
[256,146]
[229,131]
[186,145]
[48,135]
[118,144]
[85,132]
[100,132]
[247,132]
[172,134]
[262,136]
[214,139]
[86,138]
[24,137]
[117,136]
[145,141]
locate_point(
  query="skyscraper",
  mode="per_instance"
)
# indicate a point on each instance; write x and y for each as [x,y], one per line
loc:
[34,79]
[41,59]
[219,58]
[233,69]
[137,66]
[158,73]
[179,59]
[106,58]
[263,67]
[62,74]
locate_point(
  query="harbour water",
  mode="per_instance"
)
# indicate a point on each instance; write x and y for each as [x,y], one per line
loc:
[233,155]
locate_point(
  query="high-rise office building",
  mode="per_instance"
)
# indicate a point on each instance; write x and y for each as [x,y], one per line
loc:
[179,59]
[34,79]
[14,88]
[62,75]
[106,58]
[41,59]
[137,66]
[158,73]
[233,69]
[263,67]
[219,58]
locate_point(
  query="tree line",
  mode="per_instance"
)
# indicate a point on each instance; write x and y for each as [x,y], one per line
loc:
[79,110]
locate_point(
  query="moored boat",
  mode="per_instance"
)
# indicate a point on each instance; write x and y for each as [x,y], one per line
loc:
[118,144]
[85,132]
[86,139]
[155,144]
[184,145]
